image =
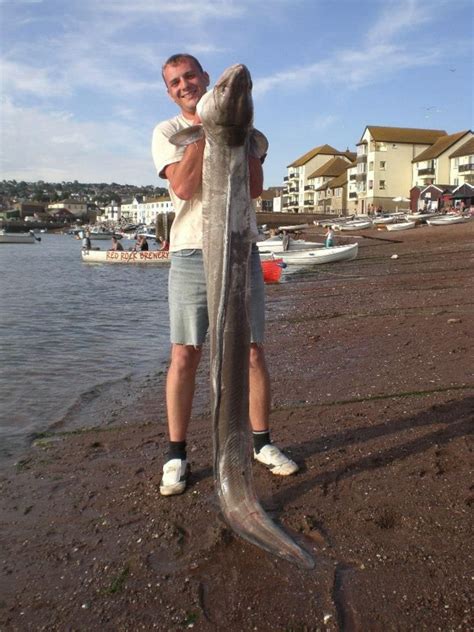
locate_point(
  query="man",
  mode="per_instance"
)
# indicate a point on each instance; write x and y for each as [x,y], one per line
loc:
[186,82]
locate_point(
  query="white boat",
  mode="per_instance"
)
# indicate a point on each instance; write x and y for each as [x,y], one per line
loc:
[294,227]
[446,220]
[102,234]
[355,225]
[305,258]
[17,238]
[147,257]
[275,244]
[401,225]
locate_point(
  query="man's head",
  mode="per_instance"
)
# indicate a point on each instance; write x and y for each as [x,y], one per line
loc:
[185,81]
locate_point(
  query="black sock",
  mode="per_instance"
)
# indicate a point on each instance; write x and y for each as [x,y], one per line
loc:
[260,439]
[177,450]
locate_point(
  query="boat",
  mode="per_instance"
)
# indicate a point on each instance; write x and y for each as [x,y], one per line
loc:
[293,227]
[355,225]
[147,257]
[304,258]
[102,234]
[275,244]
[446,220]
[17,238]
[401,225]
[272,269]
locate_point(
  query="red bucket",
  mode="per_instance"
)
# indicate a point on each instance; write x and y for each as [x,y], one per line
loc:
[272,270]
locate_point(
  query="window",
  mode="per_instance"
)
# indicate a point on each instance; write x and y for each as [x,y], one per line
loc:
[382,165]
[371,184]
[382,185]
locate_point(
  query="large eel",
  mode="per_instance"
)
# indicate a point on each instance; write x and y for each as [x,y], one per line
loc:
[226,113]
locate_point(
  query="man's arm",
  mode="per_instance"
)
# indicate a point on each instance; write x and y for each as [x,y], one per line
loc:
[185,176]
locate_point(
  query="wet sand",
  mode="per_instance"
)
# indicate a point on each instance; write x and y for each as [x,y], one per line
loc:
[373,395]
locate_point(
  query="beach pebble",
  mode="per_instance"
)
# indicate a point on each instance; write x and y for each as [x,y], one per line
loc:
[454,320]
[394,257]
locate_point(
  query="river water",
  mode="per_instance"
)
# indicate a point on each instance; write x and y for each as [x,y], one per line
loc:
[70,332]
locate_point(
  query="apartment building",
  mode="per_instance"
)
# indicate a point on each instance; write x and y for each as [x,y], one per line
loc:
[296,182]
[434,164]
[461,169]
[143,210]
[315,199]
[384,163]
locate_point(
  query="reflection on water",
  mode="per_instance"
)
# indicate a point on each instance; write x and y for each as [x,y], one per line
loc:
[67,327]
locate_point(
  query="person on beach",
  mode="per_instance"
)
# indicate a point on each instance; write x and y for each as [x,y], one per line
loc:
[329,235]
[116,245]
[186,82]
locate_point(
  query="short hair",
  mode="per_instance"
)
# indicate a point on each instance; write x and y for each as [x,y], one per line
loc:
[178,58]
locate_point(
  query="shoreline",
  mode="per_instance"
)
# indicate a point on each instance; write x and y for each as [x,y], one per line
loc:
[373,392]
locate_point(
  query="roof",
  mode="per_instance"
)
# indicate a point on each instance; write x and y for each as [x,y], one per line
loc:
[440,146]
[322,149]
[340,181]
[410,135]
[333,167]
[352,155]
[464,150]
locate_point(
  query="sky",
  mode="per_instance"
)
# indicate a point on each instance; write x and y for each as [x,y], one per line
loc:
[81,87]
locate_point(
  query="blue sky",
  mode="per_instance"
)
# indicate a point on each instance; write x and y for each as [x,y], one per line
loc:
[81,86]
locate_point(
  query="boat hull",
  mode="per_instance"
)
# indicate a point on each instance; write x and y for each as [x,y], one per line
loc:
[17,238]
[320,256]
[146,257]
[401,226]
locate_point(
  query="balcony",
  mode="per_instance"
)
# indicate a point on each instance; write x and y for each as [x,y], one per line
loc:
[464,168]
[352,194]
[293,189]
[285,179]
[352,176]
[361,177]
[426,172]
[309,187]
[293,175]
[362,158]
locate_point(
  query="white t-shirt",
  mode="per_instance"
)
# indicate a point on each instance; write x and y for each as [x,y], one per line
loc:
[186,230]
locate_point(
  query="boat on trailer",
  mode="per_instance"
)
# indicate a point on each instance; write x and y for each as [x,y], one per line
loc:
[143,257]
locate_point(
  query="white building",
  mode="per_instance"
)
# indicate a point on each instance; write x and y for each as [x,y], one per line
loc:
[77,207]
[462,164]
[142,210]
[433,165]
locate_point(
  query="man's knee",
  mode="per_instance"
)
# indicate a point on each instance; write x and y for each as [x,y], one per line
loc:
[185,358]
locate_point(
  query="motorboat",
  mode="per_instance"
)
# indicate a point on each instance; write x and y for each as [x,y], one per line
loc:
[18,238]
[146,257]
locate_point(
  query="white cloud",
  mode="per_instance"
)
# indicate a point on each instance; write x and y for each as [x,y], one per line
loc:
[55,147]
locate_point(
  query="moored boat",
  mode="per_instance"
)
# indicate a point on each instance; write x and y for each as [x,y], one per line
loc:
[304,258]
[355,225]
[275,244]
[17,238]
[146,257]
[446,220]
[401,225]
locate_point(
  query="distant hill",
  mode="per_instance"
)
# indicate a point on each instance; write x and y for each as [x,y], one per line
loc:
[100,193]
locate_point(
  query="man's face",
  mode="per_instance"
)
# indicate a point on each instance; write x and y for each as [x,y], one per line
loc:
[186,84]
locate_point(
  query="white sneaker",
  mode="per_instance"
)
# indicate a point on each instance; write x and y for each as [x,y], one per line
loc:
[175,477]
[275,460]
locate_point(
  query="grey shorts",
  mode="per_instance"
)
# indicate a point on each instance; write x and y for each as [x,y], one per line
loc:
[189,319]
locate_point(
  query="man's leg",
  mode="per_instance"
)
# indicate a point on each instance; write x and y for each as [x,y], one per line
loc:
[180,383]
[259,412]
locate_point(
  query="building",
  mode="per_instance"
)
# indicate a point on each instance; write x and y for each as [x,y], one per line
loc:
[29,209]
[434,164]
[78,208]
[316,193]
[461,170]
[296,182]
[384,163]
[143,210]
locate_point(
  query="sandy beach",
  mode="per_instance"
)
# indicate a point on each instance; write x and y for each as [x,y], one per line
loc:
[373,395]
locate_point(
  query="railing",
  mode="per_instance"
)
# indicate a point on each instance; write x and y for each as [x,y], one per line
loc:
[352,194]
[362,158]
[468,167]
[309,187]
[285,178]
[352,176]
[361,177]
[426,172]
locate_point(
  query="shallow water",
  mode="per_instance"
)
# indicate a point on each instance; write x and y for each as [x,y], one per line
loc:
[69,331]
